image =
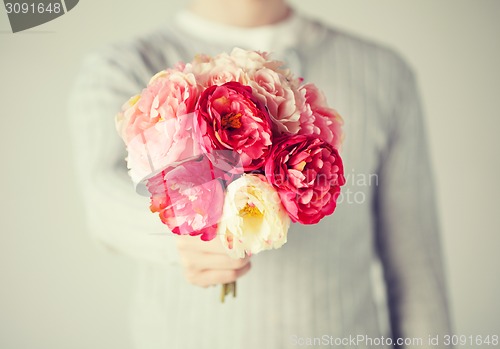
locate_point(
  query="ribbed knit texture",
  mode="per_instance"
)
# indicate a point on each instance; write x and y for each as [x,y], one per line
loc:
[324,280]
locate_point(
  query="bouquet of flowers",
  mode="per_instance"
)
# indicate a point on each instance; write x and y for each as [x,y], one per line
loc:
[235,147]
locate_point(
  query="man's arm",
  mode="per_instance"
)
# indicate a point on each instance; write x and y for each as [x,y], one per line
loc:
[117,216]
[407,224]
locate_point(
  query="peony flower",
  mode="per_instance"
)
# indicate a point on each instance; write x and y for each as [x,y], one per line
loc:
[307,172]
[280,97]
[166,143]
[169,94]
[253,217]
[229,118]
[247,60]
[188,198]
[318,119]
[217,70]
[157,125]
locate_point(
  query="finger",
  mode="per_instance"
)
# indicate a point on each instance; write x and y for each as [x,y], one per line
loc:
[207,278]
[194,243]
[202,261]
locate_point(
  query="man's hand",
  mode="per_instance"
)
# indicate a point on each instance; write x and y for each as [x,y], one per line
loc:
[206,263]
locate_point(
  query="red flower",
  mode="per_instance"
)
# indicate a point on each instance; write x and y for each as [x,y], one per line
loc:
[229,118]
[307,172]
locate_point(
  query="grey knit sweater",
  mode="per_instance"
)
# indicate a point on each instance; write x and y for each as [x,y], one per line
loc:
[363,277]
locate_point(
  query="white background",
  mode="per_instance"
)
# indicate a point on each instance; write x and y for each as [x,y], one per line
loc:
[58,291]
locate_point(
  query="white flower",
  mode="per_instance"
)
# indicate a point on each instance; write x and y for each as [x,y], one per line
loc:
[253,218]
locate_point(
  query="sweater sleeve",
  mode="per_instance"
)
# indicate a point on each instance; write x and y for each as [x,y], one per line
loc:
[407,223]
[118,218]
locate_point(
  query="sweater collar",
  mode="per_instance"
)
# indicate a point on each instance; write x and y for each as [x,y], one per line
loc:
[274,38]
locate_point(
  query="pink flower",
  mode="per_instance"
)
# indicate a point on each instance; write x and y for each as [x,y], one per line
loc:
[307,172]
[169,94]
[157,125]
[200,67]
[280,97]
[164,144]
[229,118]
[189,198]
[318,119]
